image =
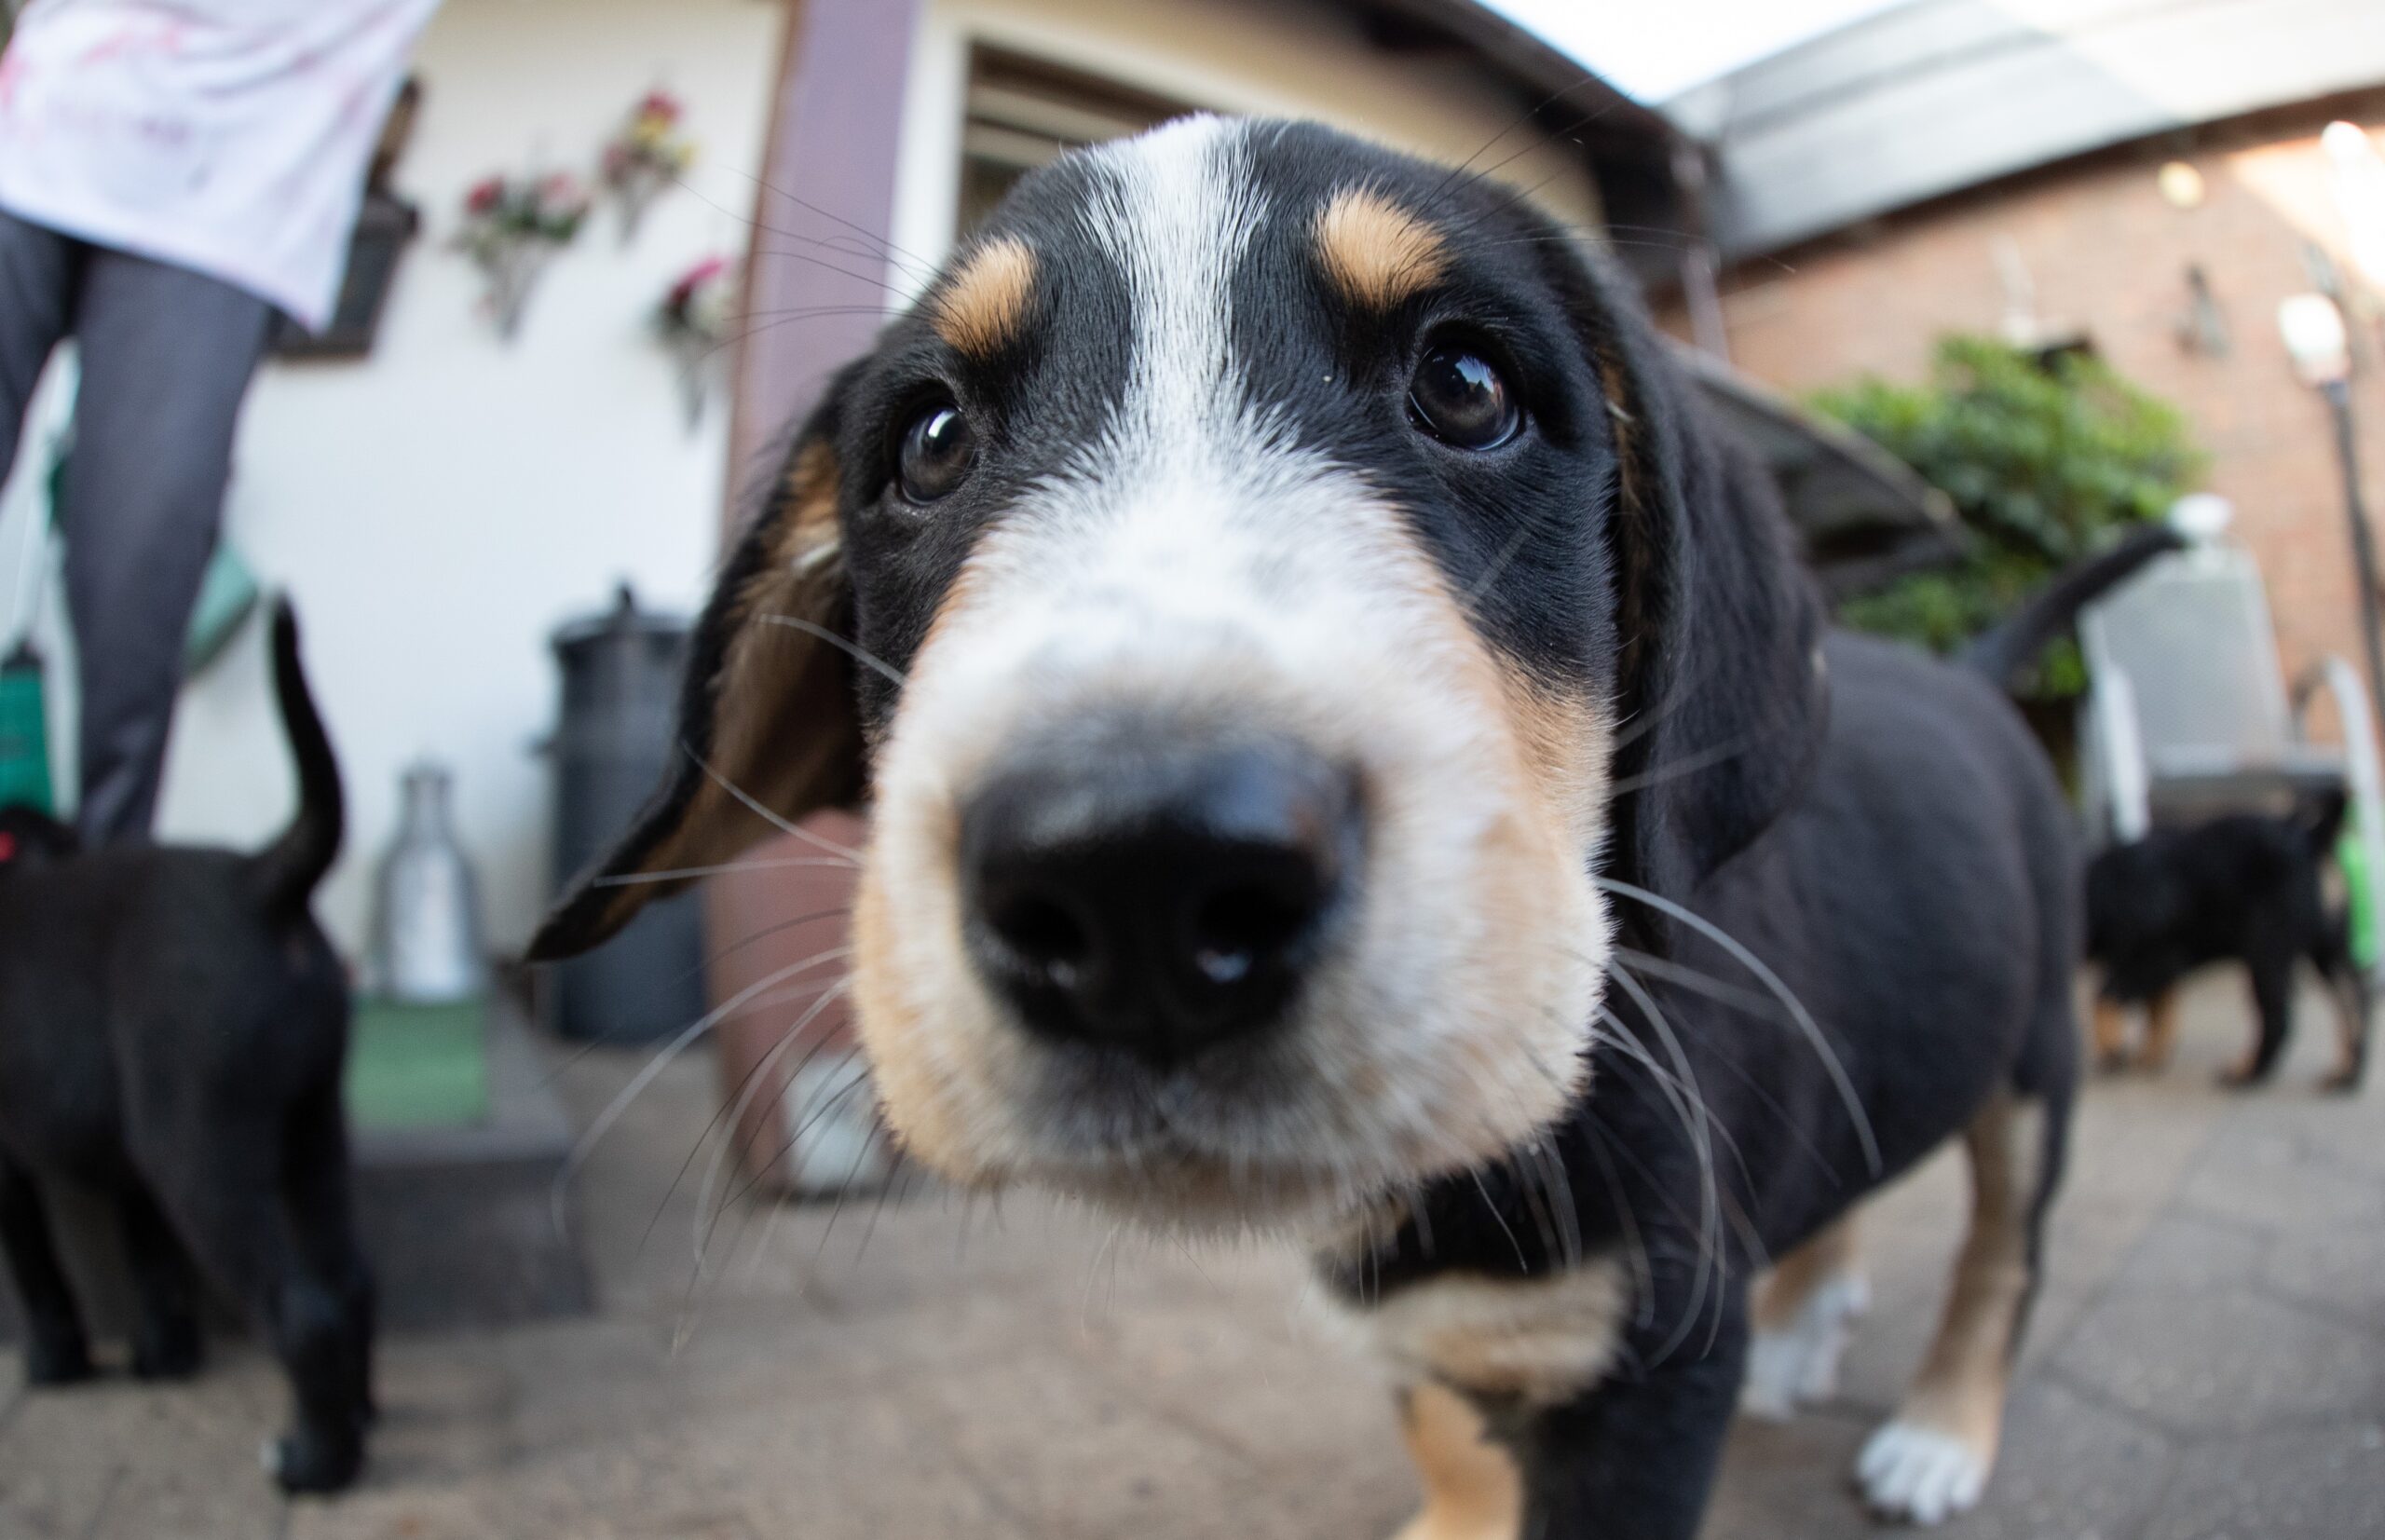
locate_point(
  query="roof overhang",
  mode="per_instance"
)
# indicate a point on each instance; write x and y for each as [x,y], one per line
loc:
[1936,96]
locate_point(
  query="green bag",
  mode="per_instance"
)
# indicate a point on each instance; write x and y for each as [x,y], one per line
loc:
[25,733]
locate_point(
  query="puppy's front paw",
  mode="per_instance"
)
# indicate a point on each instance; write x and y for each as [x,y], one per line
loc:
[1913,1471]
[165,1350]
[310,1460]
[1797,1364]
[56,1360]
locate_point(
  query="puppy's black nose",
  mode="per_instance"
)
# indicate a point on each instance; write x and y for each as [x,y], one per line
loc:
[1159,898]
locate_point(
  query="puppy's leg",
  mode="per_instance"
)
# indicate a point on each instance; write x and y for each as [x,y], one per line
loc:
[2160,1031]
[1636,1455]
[166,1340]
[224,1188]
[1472,1488]
[56,1350]
[2348,989]
[2351,995]
[1932,1459]
[321,1222]
[1803,1316]
[2111,1033]
[2272,976]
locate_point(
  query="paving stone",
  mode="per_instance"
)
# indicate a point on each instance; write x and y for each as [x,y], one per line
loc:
[2068,1471]
[2321,1482]
[1789,1479]
[114,1460]
[1057,1442]
[2189,1254]
[1273,1384]
[2269,1178]
[2210,1363]
[2341,1271]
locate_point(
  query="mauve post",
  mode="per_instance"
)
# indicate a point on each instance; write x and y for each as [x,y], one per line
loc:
[819,222]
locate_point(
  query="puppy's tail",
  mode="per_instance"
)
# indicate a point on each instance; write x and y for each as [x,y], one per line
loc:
[288,869]
[2005,649]
[2322,819]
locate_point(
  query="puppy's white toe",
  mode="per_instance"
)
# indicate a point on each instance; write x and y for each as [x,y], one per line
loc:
[1769,1391]
[1797,1364]
[1912,1471]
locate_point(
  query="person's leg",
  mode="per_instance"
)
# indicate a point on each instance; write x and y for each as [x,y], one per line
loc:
[167,355]
[36,293]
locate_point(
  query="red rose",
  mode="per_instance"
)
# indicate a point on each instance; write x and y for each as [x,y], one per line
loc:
[486,195]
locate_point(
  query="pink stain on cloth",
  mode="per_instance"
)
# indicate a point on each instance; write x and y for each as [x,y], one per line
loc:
[226,136]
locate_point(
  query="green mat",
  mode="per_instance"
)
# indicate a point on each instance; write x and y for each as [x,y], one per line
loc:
[417,1066]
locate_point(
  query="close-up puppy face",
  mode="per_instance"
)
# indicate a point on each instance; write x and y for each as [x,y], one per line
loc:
[1218,583]
[1234,819]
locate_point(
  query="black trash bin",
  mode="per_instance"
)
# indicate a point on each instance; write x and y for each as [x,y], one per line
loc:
[614,738]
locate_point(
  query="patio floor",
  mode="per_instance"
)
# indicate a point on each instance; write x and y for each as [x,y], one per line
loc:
[2208,1360]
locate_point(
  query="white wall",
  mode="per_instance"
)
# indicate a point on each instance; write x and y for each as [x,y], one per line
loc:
[437,509]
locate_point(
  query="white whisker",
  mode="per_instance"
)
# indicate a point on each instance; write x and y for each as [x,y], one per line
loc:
[1780,991]
[689,874]
[602,1125]
[777,821]
[854,649]
[747,1090]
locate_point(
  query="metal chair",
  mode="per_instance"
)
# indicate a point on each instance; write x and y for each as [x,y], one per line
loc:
[2187,712]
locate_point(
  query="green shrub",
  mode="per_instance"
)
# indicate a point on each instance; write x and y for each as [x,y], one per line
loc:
[2044,460]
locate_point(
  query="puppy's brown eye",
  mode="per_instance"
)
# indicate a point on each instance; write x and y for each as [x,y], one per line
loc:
[1460,398]
[937,451]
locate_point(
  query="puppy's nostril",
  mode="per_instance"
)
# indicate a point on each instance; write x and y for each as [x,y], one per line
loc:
[1046,937]
[1235,928]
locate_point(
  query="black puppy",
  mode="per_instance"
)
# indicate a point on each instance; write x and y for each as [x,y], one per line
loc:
[173,1030]
[2247,888]
[1351,754]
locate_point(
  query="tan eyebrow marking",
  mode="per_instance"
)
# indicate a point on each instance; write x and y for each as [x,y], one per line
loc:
[986,302]
[1375,252]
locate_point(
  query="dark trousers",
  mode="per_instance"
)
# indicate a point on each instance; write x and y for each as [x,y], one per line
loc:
[166,356]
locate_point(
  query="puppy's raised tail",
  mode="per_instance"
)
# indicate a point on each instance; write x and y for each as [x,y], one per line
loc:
[2322,819]
[2007,649]
[288,869]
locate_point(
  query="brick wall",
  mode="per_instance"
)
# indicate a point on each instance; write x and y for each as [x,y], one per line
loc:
[2108,255]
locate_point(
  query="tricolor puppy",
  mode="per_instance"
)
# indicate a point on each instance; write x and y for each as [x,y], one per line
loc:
[1299,642]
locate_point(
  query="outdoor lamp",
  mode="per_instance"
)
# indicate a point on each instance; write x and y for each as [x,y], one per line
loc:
[2315,339]
[2202,517]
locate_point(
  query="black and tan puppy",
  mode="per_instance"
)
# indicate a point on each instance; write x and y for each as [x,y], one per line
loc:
[1351,756]
[173,1027]
[2246,889]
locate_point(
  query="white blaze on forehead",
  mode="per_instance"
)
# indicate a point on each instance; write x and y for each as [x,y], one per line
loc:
[1175,211]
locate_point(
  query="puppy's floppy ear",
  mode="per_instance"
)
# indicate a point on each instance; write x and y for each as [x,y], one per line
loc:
[766,709]
[1723,697]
